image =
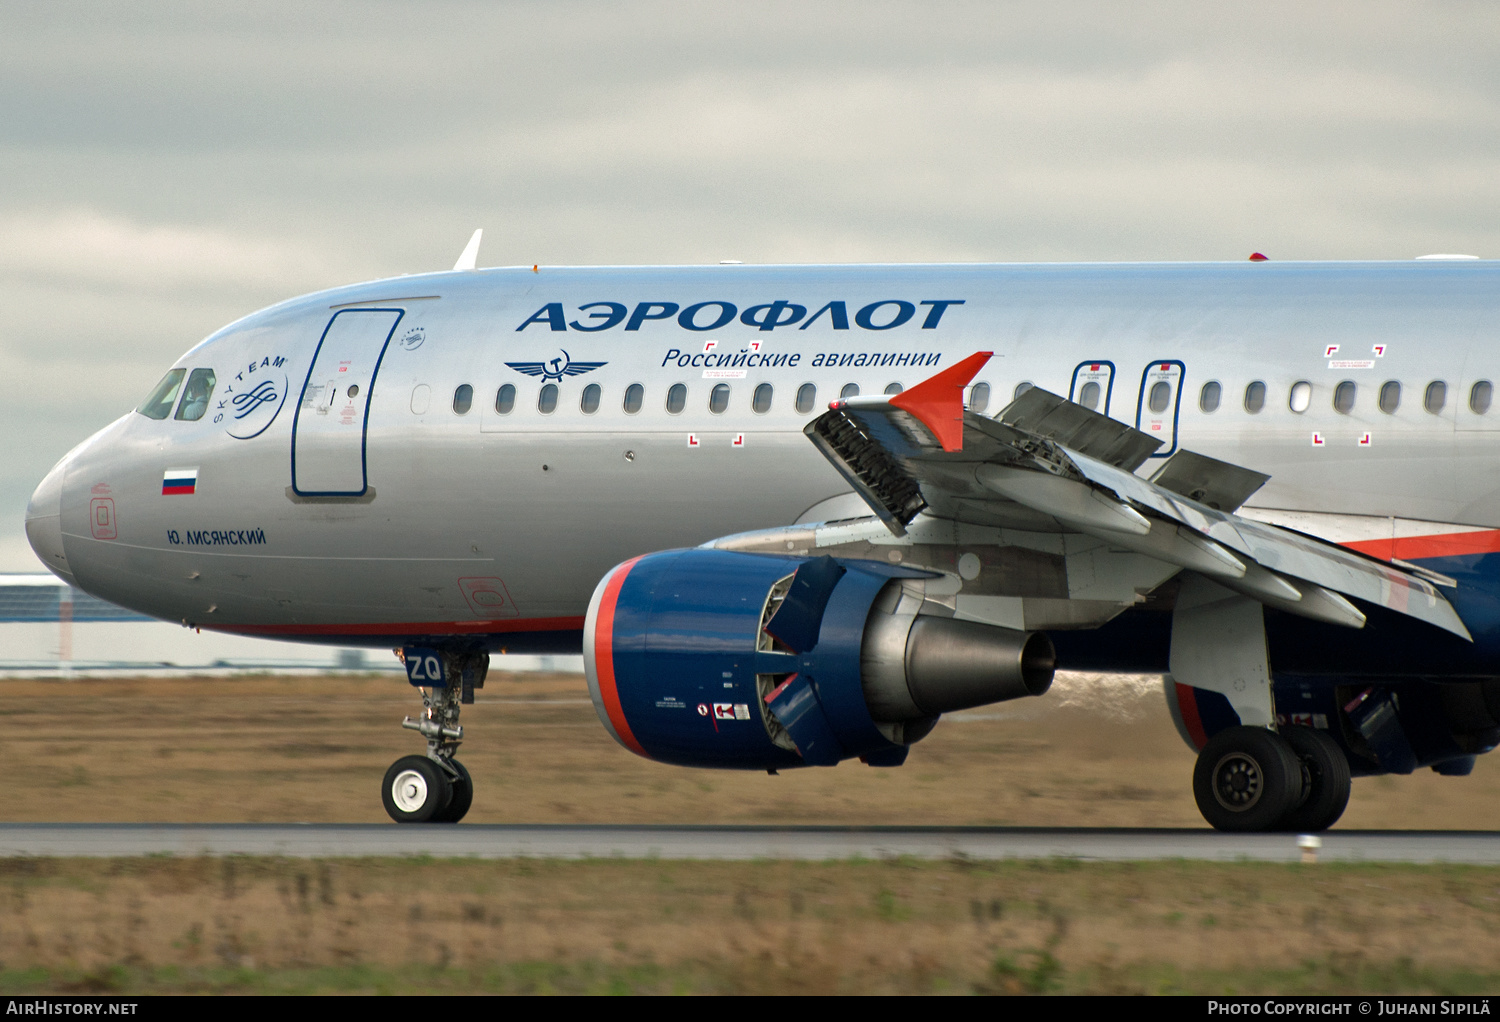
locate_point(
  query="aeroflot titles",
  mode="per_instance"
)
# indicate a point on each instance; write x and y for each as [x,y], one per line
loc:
[882,315]
[752,359]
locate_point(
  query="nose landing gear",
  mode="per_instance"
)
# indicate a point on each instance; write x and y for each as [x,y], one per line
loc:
[435,788]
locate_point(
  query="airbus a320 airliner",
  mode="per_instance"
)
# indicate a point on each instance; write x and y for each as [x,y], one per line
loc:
[792,515]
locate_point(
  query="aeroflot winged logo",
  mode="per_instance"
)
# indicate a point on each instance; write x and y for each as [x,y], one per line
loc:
[555,369]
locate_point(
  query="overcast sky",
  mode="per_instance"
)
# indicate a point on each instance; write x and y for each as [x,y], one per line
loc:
[168,167]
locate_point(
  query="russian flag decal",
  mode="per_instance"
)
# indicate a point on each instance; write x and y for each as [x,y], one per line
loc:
[179,480]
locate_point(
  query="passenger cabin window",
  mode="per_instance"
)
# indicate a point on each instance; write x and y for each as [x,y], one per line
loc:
[893,388]
[546,401]
[200,387]
[1159,398]
[1436,397]
[850,390]
[1480,396]
[807,394]
[1255,397]
[1022,388]
[677,399]
[635,395]
[159,404]
[760,404]
[590,401]
[979,397]
[505,399]
[718,398]
[1088,395]
[1343,397]
[463,399]
[1390,397]
[1301,397]
[1208,398]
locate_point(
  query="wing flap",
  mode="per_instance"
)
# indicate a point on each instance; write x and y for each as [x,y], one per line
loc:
[1053,457]
[1286,553]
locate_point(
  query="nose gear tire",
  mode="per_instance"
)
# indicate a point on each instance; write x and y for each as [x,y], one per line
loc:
[463,795]
[1327,773]
[416,790]
[1246,779]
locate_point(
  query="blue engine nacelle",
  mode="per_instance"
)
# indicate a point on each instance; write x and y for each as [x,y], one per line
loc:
[715,658]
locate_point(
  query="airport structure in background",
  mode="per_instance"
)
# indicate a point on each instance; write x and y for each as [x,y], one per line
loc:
[51,628]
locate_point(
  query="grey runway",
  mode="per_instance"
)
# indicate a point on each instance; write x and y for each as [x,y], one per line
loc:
[579,841]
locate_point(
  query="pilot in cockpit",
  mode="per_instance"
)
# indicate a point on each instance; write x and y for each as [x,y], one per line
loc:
[200,387]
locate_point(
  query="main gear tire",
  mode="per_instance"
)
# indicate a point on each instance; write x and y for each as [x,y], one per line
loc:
[1328,780]
[1246,779]
[416,790]
[463,795]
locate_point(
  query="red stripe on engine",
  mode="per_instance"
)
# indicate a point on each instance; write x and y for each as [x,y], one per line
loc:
[1187,705]
[604,658]
[1417,548]
[533,624]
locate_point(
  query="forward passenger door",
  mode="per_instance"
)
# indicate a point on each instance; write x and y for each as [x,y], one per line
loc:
[328,432]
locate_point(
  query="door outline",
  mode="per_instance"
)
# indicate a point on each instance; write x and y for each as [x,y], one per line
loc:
[1140,402]
[1109,388]
[364,426]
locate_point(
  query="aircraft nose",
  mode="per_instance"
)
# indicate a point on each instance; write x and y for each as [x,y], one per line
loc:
[44,522]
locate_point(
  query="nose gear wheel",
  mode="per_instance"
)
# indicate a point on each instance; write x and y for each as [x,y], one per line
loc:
[416,790]
[436,788]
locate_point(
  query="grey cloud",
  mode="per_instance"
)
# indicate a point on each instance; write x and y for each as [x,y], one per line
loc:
[168,167]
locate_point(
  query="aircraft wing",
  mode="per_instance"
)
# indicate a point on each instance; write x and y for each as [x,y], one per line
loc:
[1045,463]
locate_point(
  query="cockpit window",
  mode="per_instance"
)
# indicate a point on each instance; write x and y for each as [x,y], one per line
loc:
[159,404]
[200,387]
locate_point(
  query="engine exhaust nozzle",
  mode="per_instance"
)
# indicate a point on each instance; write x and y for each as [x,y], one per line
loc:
[923,666]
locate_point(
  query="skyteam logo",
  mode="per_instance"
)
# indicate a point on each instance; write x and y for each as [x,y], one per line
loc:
[251,400]
[554,370]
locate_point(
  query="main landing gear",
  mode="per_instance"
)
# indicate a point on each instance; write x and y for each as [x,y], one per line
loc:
[1251,778]
[435,788]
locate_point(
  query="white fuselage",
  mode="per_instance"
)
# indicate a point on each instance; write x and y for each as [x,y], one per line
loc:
[353,501]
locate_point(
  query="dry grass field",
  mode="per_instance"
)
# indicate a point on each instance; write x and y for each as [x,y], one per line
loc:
[266,925]
[1093,752]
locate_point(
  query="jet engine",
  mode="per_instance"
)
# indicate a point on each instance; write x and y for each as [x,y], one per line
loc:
[717,658]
